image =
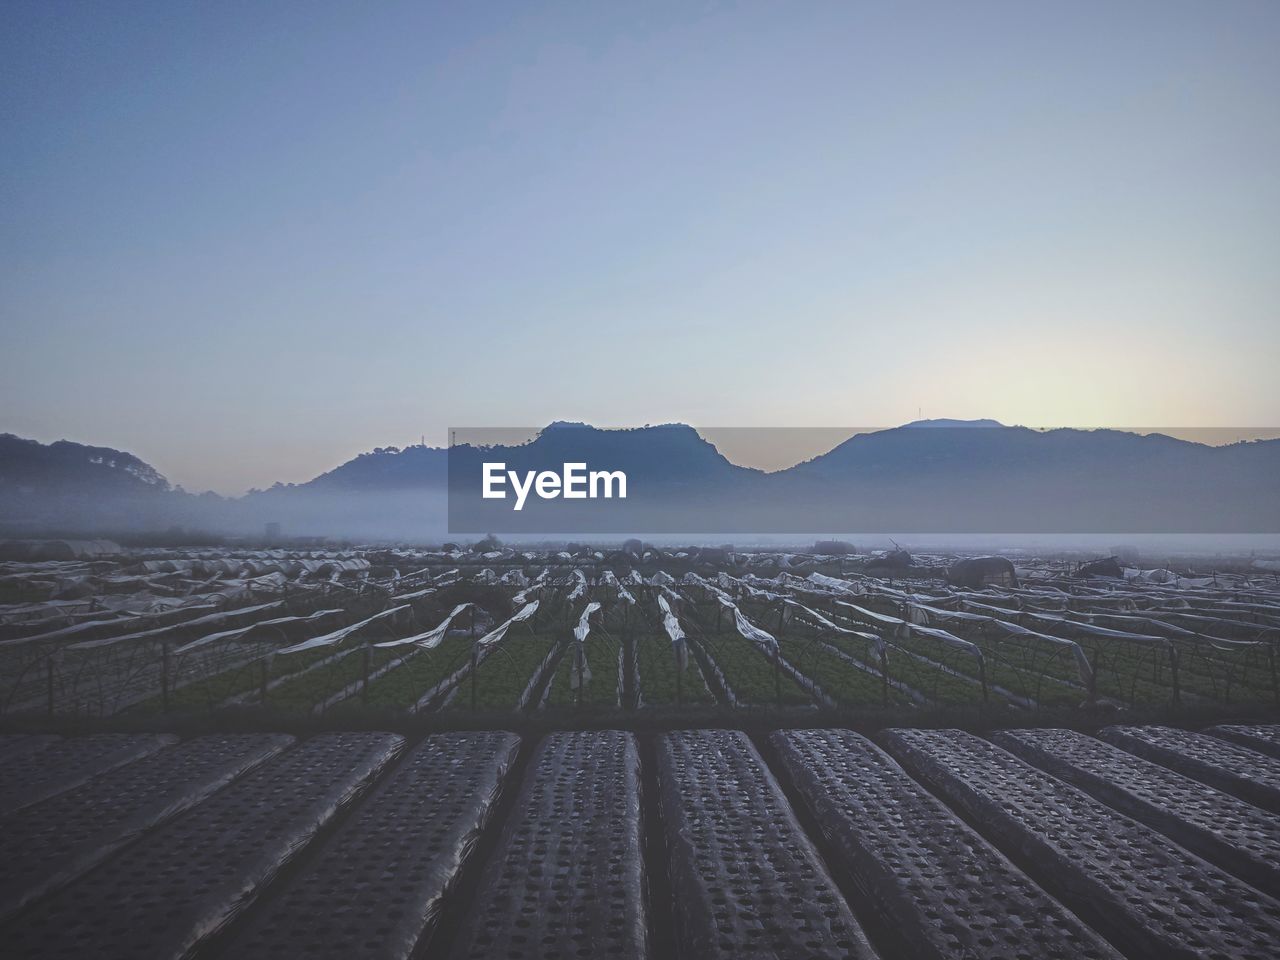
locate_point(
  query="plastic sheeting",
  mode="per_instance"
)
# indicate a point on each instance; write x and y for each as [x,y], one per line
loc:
[761,638]
[1095,630]
[580,586]
[877,642]
[337,636]
[1083,666]
[497,633]
[244,633]
[835,585]
[671,624]
[584,622]
[433,636]
[581,673]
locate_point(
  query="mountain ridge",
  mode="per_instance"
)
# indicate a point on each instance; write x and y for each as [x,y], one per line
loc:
[930,472]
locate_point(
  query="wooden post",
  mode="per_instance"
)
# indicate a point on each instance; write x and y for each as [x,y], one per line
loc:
[1173,673]
[475,662]
[164,677]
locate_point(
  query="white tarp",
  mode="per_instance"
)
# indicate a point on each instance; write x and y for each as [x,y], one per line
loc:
[329,639]
[836,586]
[1082,661]
[760,638]
[584,622]
[243,633]
[432,637]
[581,673]
[877,643]
[882,619]
[500,631]
[671,624]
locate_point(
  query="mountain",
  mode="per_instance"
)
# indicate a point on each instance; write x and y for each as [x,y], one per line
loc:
[946,422]
[664,454]
[955,478]
[71,488]
[387,468]
[937,476]
[27,465]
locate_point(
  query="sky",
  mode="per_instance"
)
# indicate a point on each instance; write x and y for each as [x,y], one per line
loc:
[248,241]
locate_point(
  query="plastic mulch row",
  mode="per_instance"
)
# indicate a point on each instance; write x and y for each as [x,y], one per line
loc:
[15,745]
[43,773]
[1144,892]
[942,890]
[1249,775]
[1237,836]
[377,884]
[567,878]
[51,843]
[159,897]
[745,880]
[1263,737]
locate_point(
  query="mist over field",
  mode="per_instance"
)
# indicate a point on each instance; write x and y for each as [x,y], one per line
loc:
[951,482]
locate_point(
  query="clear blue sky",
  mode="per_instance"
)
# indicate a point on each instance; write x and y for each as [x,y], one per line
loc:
[247,241]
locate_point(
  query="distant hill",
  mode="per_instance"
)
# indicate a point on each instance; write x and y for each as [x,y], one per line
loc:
[387,468]
[71,488]
[939,476]
[28,464]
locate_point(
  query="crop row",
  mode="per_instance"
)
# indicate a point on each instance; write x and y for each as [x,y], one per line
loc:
[1045,843]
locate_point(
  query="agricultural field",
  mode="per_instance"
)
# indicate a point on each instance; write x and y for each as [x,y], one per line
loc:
[181,633]
[693,843]
[414,754]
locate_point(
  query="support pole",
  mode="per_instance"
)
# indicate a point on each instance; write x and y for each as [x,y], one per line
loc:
[475,662]
[164,677]
[577,657]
